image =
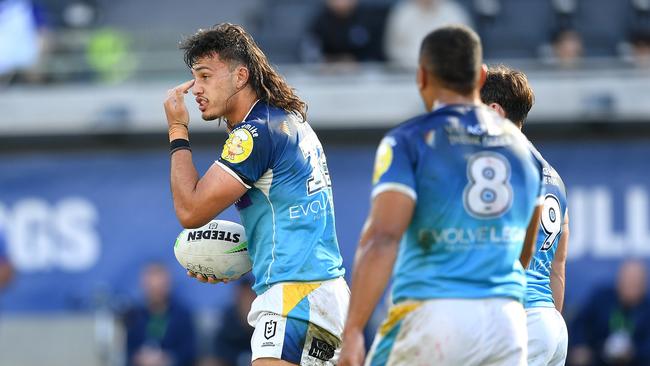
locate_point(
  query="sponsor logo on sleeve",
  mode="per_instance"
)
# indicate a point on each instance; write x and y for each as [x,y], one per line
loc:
[384,158]
[238,147]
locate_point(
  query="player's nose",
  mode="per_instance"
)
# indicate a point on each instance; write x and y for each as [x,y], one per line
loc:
[197,89]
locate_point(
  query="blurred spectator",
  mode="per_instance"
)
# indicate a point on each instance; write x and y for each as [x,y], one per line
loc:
[6,269]
[24,41]
[640,48]
[160,332]
[345,31]
[411,20]
[232,342]
[566,48]
[109,55]
[613,328]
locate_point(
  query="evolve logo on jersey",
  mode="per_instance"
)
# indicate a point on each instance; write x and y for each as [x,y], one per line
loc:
[476,180]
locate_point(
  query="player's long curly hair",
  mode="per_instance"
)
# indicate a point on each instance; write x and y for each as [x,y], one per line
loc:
[232,43]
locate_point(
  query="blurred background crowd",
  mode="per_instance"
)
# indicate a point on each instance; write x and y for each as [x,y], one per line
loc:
[49,41]
[86,223]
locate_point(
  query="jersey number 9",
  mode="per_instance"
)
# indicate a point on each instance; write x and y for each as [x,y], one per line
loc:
[551,221]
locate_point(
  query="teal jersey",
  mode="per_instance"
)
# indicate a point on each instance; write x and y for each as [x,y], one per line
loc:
[288,210]
[538,274]
[476,180]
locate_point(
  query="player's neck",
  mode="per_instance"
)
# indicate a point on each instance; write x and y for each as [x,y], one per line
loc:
[240,105]
[446,97]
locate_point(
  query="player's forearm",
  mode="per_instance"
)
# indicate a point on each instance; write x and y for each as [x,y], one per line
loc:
[531,238]
[558,267]
[373,269]
[557,285]
[184,179]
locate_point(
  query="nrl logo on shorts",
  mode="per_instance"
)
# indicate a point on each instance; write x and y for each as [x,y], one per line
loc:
[269,329]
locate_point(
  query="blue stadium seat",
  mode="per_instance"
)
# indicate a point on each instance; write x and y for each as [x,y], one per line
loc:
[519,29]
[603,24]
[282,25]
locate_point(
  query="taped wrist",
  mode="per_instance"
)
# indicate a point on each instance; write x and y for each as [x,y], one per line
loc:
[179,144]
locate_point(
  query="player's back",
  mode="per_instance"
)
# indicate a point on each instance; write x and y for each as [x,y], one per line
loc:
[476,181]
[288,211]
[538,274]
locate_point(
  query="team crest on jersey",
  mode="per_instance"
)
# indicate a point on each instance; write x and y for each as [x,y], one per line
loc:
[384,158]
[238,147]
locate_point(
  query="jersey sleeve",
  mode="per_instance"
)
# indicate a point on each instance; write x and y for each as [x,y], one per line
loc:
[247,153]
[394,168]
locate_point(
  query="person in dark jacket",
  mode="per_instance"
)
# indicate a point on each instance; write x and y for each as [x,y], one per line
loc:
[345,31]
[613,328]
[161,331]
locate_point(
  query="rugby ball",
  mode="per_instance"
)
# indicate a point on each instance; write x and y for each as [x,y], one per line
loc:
[218,249]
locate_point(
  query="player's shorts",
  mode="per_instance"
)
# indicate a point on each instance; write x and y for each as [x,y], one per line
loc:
[547,337]
[300,322]
[452,332]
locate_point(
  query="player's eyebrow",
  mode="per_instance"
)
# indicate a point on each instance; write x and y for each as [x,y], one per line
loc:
[199,68]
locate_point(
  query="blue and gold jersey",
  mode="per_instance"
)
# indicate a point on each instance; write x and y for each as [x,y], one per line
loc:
[288,210]
[476,181]
[538,274]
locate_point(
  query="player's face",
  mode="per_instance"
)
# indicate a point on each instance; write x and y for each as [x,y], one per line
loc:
[213,86]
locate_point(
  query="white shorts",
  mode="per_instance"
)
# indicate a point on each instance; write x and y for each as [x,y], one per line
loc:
[452,332]
[300,322]
[547,337]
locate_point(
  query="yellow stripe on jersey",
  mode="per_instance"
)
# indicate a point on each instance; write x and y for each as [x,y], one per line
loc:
[293,293]
[397,313]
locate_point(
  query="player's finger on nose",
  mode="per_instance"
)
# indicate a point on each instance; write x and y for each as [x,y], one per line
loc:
[185,87]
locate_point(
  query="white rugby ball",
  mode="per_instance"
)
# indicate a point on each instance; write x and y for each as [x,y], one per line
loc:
[218,249]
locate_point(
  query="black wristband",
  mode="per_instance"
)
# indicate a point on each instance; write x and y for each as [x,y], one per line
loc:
[179,144]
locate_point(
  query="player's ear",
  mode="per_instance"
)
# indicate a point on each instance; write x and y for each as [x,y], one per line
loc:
[483,76]
[421,77]
[497,107]
[242,75]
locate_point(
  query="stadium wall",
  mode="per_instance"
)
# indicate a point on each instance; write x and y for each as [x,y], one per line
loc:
[80,224]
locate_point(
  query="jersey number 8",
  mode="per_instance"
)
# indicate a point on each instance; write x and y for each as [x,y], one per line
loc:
[488,193]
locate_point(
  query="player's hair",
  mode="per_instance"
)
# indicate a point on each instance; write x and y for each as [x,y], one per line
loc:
[233,44]
[510,89]
[453,54]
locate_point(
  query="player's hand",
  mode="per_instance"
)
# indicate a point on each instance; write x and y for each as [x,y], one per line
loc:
[207,279]
[175,109]
[353,352]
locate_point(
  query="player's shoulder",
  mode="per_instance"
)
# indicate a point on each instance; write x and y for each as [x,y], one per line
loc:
[425,121]
[407,127]
[551,176]
[270,119]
